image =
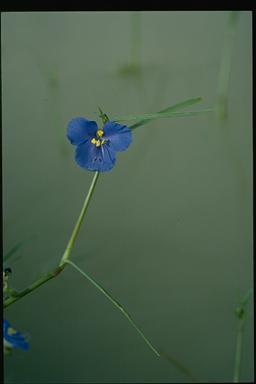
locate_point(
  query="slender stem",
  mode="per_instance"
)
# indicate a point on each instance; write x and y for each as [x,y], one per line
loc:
[225,67]
[169,358]
[33,286]
[135,38]
[180,366]
[241,314]
[56,271]
[116,304]
[239,342]
[79,221]
[246,298]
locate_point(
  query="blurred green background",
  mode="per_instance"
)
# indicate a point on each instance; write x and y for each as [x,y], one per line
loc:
[169,230]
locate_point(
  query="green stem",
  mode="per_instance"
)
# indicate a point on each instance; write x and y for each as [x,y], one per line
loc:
[180,366]
[116,304]
[55,272]
[33,286]
[238,355]
[225,67]
[135,38]
[241,314]
[75,232]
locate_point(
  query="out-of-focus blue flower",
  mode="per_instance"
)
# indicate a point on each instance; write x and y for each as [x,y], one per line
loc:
[13,338]
[96,148]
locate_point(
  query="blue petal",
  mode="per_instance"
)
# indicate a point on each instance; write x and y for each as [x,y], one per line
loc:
[94,158]
[6,325]
[119,135]
[17,340]
[80,130]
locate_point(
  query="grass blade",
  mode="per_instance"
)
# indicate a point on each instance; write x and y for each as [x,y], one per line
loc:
[180,366]
[241,315]
[15,249]
[182,104]
[173,108]
[160,115]
[116,304]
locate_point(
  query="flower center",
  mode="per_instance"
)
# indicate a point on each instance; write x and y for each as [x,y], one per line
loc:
[11,331]
[98,141]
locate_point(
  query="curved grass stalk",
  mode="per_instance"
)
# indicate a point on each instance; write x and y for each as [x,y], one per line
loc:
[170,359]
[116,304]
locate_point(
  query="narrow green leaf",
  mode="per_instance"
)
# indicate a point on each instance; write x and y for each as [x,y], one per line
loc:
[115,303]
[15,249]
[173,108]
[182,104]
[246,297]
[181,367]
[160,115]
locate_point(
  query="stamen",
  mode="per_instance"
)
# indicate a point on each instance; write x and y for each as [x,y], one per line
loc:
[98,142]
[11,331]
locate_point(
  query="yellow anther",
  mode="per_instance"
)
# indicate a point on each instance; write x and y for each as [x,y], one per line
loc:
[11,331]
[96,142]
[100,133]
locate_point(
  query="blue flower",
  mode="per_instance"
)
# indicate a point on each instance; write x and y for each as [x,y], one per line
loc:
[13,338]
[96,148]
